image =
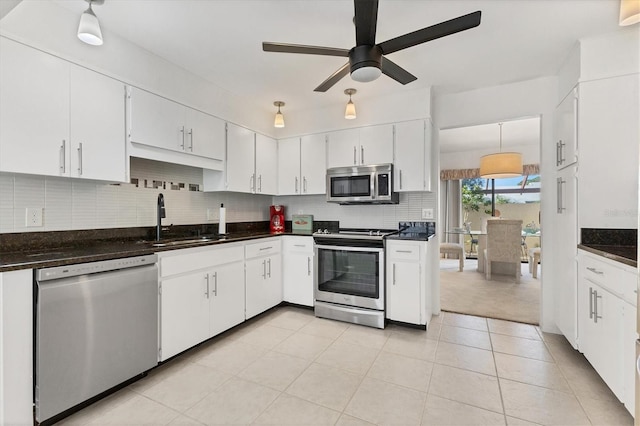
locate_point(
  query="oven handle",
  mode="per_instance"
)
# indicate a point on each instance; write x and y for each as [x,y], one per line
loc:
[347,248]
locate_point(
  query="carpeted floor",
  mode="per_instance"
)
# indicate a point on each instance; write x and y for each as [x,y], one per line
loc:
[468,292]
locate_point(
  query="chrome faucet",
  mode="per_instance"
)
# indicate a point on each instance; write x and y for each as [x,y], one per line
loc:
[161,214]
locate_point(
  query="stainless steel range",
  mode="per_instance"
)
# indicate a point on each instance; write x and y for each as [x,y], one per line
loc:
[349,278]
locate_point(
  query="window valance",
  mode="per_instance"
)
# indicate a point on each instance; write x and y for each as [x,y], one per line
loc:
[459,174]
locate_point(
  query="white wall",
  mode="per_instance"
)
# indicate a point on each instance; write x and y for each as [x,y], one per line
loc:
[509,101]
[470,159]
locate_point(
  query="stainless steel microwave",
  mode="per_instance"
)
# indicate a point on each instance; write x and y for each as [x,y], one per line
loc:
[361,185]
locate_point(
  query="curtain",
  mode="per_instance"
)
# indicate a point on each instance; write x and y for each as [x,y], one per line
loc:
[452,190]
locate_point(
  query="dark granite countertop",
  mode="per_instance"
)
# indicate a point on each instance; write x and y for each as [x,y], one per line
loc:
[93,251]
[623,254]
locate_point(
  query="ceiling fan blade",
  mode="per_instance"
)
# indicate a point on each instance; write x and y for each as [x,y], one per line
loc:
[433,32]
[396,72]
[366,19]
[333,79]
[301,48]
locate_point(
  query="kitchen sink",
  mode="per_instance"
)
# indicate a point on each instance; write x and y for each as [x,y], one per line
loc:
[174,243]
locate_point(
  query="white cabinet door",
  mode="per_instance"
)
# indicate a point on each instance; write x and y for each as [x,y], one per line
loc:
[184,313]
[34,111]
[97,149]
[263,284]
[226,292]
[297,273]
[609,135]
[564,242]
[289,181]
[266,165]
[156,121]
[240,165]
[404,282]
[409,163]
[204,134]
[343,147]
[566,130]
[376,144]
[313,164]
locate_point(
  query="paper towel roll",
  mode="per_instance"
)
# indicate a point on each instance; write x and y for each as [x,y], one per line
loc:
[222,224]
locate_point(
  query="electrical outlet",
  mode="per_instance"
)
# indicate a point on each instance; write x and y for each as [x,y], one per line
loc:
[33,217]
[427,213]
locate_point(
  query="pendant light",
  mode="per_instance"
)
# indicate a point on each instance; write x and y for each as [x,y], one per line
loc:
[89,27]
[501,164]
[629,12]
[350,111]
[279,121]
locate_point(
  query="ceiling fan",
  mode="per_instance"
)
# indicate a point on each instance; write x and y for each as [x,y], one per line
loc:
[366,60]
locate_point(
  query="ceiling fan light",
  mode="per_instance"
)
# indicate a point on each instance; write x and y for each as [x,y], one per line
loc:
[501,165]
[89,28]
[366,74]
[629,12]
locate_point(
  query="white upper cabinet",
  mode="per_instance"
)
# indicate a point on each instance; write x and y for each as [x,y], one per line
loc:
[97,149]
[80,117]
[412,160]
[266,165]
[161,123]
[302,165]
[313,164]
[289,166]
[363,146]
[566,130]
[240,165]
[608,166]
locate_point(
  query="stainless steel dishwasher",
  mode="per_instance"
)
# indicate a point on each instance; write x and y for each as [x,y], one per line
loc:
[96,326]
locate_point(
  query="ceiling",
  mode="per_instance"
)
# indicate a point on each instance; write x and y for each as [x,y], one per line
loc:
[221,41]
[515,134]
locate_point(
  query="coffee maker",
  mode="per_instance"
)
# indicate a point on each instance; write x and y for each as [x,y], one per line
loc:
[276,223]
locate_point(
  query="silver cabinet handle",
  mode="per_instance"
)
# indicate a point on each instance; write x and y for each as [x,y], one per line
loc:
[191,140]
[182,132]
[259,183]
[80,158]
[394,274]
[269,273]
[304,184]
[308,266]
[266,248]
[559,201]
[63,152]
[404,251]
[354,156]
[590,302]
[595,307]
[361,154]
[264,269]
[215,288]
[595,271]
[252,181]
[206,293]
[560,153]
[296,187]
[299,245]
[400,176]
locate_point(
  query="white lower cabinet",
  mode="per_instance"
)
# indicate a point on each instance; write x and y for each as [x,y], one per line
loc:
[407,290]
[16,347]
[263,276]
[606,333]
[297,270]
[201,295]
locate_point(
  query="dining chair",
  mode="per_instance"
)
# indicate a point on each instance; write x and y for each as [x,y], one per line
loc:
[504,240]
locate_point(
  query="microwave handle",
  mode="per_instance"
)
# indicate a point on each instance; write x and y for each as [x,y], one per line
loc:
[374,186]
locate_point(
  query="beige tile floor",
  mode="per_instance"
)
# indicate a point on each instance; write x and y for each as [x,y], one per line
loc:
[288,367]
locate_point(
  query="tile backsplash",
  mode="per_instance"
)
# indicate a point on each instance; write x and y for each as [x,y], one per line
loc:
[74,204]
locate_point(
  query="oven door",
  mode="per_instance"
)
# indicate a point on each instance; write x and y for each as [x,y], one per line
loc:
[352,276]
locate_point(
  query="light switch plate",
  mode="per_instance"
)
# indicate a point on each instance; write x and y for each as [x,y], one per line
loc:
[33,217]
[427,213]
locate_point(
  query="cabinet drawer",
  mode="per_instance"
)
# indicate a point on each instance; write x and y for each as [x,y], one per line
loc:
[188,260]
[297,244]
[265,247]
[408,252]
[602,273]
